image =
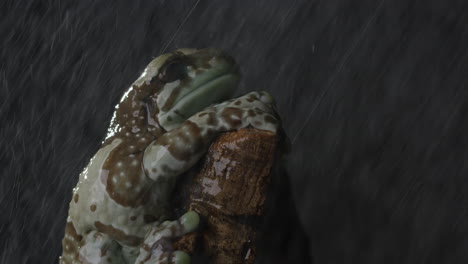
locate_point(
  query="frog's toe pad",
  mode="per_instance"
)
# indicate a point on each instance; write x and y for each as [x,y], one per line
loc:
[181,257]
[190,221]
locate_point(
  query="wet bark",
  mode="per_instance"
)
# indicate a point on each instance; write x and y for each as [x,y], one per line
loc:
[229,191]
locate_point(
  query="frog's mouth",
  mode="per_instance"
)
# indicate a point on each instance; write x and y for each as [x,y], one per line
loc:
[206,91]
[213,91]
[211,77]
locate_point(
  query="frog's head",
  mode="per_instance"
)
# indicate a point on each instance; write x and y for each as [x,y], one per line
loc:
[184,82]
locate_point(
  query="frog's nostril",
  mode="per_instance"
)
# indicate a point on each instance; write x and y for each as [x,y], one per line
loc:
[223,56]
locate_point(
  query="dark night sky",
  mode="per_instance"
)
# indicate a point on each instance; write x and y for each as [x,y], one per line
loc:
[372,93]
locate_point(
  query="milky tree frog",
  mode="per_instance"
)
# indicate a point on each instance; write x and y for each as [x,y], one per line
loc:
[163,124]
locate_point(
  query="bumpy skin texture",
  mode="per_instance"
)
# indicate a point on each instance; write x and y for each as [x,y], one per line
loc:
[162,126]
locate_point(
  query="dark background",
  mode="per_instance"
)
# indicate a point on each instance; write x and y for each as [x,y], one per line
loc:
[373,95]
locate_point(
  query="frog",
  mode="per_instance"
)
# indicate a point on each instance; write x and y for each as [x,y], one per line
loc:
[120,210]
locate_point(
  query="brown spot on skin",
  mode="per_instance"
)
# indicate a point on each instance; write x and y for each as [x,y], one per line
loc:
[76,197]
[194,140]
[146,171]
[228,114]
[133,105]
[270,119]
[249,100]
[258,109]
[154,170]
[92,207]
[148,256]
[212,119]
[71,243]
[104,251]
[176,228]
[251,113]
[173,230]
[118,234]
[253,97]
[116,185]
[149,218]
[70,251]
[179,113]
[238,103]
[202,114]
[133,217]
[146,247]
[70,230]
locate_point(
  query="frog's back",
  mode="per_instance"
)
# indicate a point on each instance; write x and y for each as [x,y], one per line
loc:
[96,205]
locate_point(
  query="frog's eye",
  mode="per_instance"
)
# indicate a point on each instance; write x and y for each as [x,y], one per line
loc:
[172,71]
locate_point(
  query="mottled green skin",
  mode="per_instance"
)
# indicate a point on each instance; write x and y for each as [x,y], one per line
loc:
[162,126]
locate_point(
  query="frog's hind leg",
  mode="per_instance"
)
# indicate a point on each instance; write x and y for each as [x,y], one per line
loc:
[100,248]
[157,248]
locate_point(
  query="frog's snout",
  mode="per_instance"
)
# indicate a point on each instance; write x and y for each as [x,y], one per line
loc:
[229,60]
[218,58]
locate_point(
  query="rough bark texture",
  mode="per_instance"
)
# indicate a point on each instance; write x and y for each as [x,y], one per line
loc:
[230,192]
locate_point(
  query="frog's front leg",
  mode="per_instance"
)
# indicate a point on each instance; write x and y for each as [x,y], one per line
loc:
[157,246]
[179,149]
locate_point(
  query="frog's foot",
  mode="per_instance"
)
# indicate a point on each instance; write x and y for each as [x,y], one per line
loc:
[99,248]
[254,100]
[255,109]
[157,246]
